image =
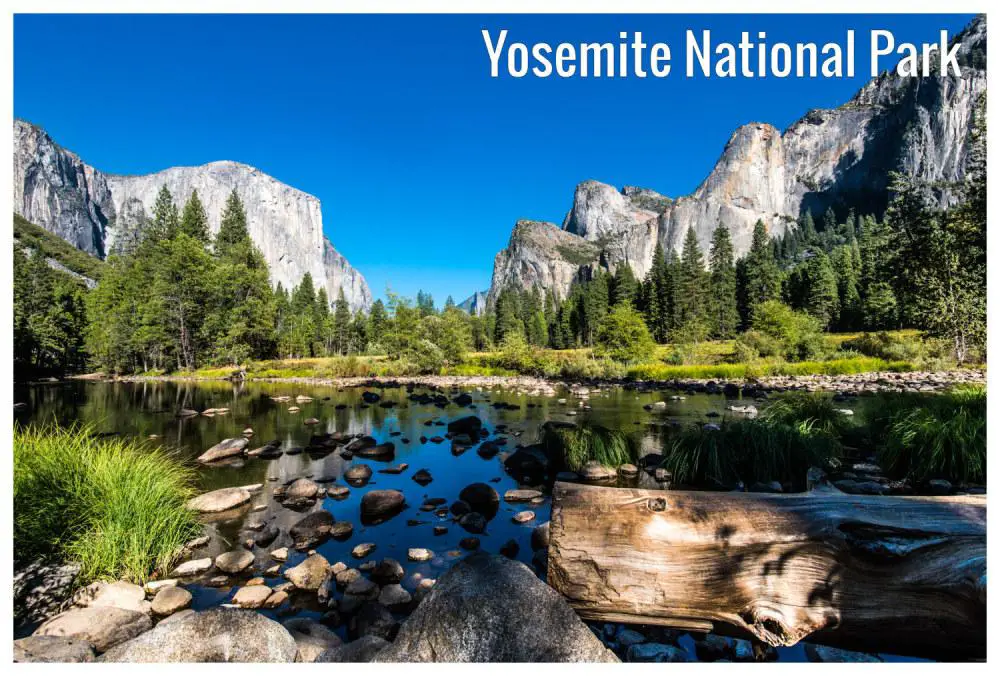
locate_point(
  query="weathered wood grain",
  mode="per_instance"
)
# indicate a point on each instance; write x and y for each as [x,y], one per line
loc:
[902,575]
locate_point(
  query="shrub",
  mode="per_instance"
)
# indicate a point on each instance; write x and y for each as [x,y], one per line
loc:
[517,355]
[934,436]
[901,347]
[623,336]
[115,506]
[748,451]
[578,445]
[781,331]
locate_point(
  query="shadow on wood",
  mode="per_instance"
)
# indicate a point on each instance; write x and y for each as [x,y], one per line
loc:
[901,575]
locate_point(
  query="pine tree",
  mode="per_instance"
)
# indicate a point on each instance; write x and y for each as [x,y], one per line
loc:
[691,284]
[808,228]
[378,317]
[761,277]
[942,276]
[623,287]
[425,303]
[849,299]
[821,300]
[593,307]
[165,218]
[658,297]
[194,221]
[233,231]
[508,312]
[722,286]
[341,323]
[829,222]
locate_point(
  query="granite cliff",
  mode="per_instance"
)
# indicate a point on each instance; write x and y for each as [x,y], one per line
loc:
[836,158]
[97,212]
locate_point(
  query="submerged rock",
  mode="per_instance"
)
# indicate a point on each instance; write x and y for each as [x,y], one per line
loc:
[655,652]
[216,635]
[822,653]
[476,612]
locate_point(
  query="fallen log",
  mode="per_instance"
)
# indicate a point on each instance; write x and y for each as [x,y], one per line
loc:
[901,575]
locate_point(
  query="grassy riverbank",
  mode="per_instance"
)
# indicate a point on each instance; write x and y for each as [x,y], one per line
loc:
[114,506]
[847,354]
[914,439]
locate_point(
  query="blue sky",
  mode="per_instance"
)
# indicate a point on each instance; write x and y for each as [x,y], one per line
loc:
[421,160]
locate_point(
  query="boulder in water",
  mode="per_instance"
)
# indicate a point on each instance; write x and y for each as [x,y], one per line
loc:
[476,613]
[380,505]
[481,498]
[220,500]
[226,448]
[311,530]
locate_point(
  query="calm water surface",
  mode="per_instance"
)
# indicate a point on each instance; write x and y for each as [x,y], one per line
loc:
[145,409]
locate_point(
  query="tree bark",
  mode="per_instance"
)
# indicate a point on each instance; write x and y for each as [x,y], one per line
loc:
[901,575]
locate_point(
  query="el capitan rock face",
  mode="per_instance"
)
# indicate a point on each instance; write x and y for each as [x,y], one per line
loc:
[99,212]
[836,158]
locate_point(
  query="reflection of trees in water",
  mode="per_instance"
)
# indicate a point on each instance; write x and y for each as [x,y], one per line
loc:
[148,408]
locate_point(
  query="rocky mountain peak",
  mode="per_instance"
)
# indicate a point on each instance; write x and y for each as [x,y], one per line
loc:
[838,158]
[98,212]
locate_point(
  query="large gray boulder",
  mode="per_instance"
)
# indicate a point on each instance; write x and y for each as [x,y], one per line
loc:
[493,609]
[102,626]
[361,650]
[216,635]
[52,649]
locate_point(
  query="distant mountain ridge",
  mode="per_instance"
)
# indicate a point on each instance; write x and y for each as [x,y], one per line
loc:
[95,211]
[836,158]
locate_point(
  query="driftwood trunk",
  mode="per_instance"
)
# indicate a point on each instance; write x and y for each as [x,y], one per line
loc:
[896,575]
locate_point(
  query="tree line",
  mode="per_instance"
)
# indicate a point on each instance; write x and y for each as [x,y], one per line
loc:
[175,298]
[919,266]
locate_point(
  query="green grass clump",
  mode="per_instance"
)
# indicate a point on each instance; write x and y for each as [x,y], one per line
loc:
[816,409]
[748,451]
[934,437]
[115,506]
[578,445]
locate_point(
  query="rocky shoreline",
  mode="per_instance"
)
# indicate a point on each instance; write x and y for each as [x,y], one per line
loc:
[859,384]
